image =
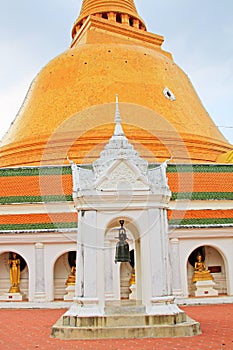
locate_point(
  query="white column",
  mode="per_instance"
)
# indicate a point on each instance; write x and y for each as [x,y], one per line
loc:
[90,254]
[100,261]
[39,295]
[175,258]
[228,250]
[161,301]
[79,285]
[158,253]
[89,289]
[145,263]
[166,257]
[138,270]
[108,267]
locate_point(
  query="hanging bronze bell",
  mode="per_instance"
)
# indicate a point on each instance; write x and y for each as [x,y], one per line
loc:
[122,247]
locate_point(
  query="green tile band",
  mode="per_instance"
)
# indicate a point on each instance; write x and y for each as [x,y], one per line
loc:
[39,226]
[200,222]
[36,171]
[202,195]
[199,168]
[35,199]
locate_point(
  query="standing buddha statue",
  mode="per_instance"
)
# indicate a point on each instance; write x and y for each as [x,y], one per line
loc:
[14,264]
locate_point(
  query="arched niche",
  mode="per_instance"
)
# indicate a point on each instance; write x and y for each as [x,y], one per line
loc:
[5,273]
[62,269]
[214,261]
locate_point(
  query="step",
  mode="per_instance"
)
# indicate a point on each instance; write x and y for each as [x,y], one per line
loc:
[123,307]
[185,329]
[122,320]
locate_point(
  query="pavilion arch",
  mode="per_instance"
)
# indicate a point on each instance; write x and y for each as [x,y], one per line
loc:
[215,261]
[5,273]
[112,286]
[129,224]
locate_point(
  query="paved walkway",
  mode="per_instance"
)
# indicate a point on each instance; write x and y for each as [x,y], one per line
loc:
[28,329]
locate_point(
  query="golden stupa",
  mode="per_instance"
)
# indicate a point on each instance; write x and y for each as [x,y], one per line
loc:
[69,108]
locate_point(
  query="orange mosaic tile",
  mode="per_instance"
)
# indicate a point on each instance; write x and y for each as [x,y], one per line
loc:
[199,214]
[37,218]
[36,185]
[200,182]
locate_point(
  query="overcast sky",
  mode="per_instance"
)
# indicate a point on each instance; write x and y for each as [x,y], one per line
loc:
[198,33]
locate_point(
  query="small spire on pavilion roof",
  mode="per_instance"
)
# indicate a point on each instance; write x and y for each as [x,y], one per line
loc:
[118,148]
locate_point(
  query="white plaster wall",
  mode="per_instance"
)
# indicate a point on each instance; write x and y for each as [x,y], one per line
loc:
[111,270]
[214,258]
[4,273]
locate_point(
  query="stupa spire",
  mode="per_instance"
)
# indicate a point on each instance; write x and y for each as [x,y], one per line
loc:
[120,11]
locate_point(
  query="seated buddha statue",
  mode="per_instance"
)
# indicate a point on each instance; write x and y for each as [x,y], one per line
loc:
[132,279]
[71,278]
[200,271]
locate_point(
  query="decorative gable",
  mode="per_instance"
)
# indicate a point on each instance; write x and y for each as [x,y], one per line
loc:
[122,175]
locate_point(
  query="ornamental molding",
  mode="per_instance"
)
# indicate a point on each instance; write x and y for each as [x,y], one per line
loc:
[122,175]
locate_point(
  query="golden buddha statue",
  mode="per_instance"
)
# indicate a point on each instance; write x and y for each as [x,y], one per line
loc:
[14,264]
[71,278]
[200,271]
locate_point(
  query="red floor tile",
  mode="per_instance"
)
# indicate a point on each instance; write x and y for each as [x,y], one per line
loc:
[30,329]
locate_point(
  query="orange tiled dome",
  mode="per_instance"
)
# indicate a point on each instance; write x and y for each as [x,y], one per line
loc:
[69,108]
